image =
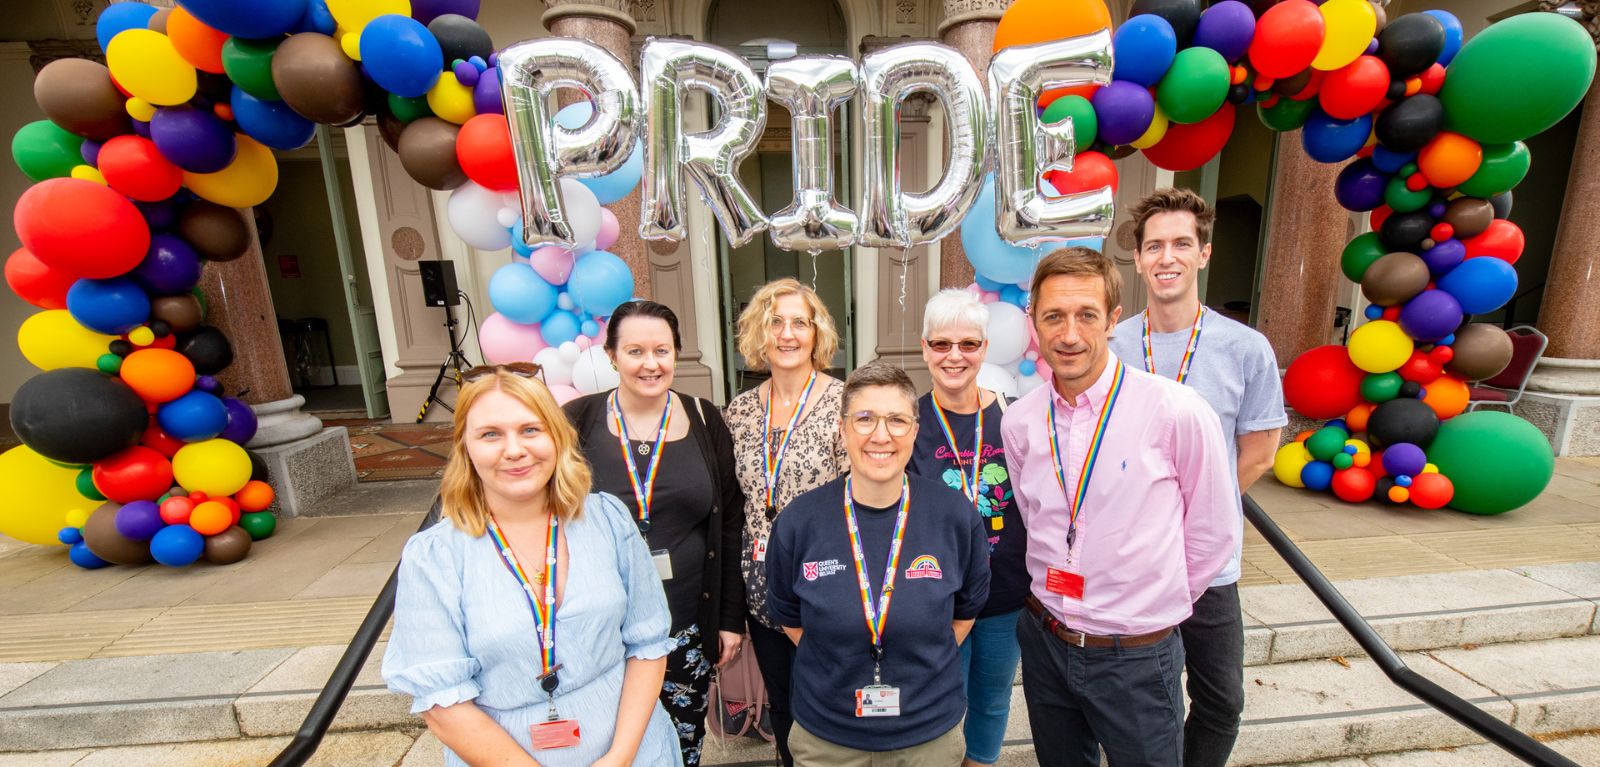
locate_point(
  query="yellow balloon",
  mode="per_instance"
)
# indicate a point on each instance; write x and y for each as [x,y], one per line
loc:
[1380,346]
[247,181]
[350,43]
[450,100]
[1288,461]
[215,467]
[37,496]
[140,110]
[142,336]
[88,173]
[146,64]
[1153,134]
[353,15]
[1349,25]
[52,339]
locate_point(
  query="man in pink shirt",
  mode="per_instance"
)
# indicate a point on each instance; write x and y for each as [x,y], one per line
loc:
[1124,484]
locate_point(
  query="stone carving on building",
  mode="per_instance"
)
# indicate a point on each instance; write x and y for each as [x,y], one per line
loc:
[1585,12]
[905,12]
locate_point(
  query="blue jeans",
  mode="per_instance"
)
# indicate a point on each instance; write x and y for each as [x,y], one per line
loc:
[988,670]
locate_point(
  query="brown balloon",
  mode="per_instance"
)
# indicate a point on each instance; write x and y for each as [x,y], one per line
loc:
[1394,279]
[78,95]
[316,80]
[181,312]
[100,534]
[1481,351]
[428,152]
[228,546]
[1468,216]
[1293,84]
[158,21]
[217,232]
[390,128]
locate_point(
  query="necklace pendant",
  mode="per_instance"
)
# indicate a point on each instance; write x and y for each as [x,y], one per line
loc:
[644,448]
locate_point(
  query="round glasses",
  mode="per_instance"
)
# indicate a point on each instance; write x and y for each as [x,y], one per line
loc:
[866,424]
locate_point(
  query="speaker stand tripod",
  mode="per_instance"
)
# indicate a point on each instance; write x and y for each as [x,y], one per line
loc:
[456,359]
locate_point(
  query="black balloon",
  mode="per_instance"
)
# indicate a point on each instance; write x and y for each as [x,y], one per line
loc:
[1408,125]
[258,467]
[1238,94]
[1183,15]
[1397,90]
[74,415]
[1410,389]
[462,38]
[1385,484]
[1502,204]
[207,348]
[1402,420]
[1405,231]
[1411,44]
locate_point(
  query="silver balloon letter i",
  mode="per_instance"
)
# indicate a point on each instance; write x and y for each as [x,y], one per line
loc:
[812,88]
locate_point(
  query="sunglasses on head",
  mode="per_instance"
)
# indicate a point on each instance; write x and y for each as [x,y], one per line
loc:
[942,346]
[523,369]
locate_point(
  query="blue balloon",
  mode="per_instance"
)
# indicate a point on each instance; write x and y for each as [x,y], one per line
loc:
[69,535]
[272,123]
[177,546]
[1390,161]
[401,55]
[560,327]
[193,417]
[1027,367]
[984,283]
[600,282]
[1014,295]
[1481,284]
[113,306]
[1317,475]
[81,556]
[518,246]
[991,256]
[119,17]
[318,19]
[1096,244]
[519,293]
[1330,140]
[1453,35]
[575,115]
[617,184]
[1145,46]
[255,19]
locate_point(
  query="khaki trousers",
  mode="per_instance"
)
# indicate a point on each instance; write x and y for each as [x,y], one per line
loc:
[809,750]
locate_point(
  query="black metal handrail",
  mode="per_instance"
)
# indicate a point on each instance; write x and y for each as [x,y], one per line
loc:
[328,702]
[1512,740]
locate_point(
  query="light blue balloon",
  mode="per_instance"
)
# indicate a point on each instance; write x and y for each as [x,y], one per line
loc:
[401,55]
[1096,244]
[617,184]
[575,115]
[560,327]
[590,327]
[517,245]
[519,293]
[984,283]
[600,282]
[1027,367]
[991,256]
[1014,295]
[120,17]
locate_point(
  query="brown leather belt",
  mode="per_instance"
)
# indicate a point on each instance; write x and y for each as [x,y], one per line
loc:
[1079,639]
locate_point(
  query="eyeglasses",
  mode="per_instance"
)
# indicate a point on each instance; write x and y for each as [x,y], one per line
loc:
[942,346]
[796,324]
[522,369]
[865,423]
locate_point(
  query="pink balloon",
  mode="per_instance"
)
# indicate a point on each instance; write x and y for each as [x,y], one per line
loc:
[553,263]
[988,296]
[505,341]
[600,337]
[583,342]
[564,393]
[609,230]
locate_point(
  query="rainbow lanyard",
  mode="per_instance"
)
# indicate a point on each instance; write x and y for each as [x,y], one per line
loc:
[1075,498]
[643,491]
[771,463]
[876,619]
[1188,351]
[544,610]
[968,487]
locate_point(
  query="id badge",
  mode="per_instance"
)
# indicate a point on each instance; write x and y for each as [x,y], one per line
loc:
[1064,581]
[558,733]
[760,550]
[663,560]
[878,700]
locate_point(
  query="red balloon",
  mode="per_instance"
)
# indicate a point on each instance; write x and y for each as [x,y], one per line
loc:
[1287,38]
[1502,240]
[1354,89]
[135,474]
[1186,147]
[1090,171]
[483,148]
[1421,368]
[1432,80]
[1432,490]
[1323,383]
[1379,215]
[135,168]
[81,227]
[37,282]
[176,510]
[159,441]
[1354,485]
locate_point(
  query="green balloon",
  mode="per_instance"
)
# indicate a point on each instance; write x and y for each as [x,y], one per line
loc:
[1381,387]
[1343,461]
[1195,87]
[407,110]
[1504,166]
[108,363]
[1085,125]
[248,64]
[1496,460]
[259,524]
[1518,77]
[44,150]
[1327,442]
[1397,196]
[86,486]
[1287,114]
[1359,254]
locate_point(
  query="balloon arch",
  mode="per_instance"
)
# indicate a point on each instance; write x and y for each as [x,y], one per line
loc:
[133,452]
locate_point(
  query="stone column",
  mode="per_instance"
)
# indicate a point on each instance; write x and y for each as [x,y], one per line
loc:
[968,26]
[1306,232]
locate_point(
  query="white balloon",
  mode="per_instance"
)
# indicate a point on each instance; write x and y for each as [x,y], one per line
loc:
[1027,384]
[507,218]
[570,352]
[997,379]
[1007,333]
[557,371]
[583,213]
[474,214]
[592,373]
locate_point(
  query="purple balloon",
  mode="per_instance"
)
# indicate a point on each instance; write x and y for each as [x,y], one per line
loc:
[486,93]
[208,384]
[170,266]
[141,129]
[139,520]
[466,73]
[1226,28]
[160,215]
[1431,315]
[241,421]
[1443,257]
[1360,185]
[1404,458]
[192,139]
[1124,111]
[90,151]
[427,10]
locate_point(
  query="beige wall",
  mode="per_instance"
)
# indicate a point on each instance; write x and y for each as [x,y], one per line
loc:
[16,92]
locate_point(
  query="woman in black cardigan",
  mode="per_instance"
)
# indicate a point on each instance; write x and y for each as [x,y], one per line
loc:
[669,457]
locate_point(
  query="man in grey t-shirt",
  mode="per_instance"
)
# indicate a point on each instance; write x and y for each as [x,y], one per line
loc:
[1234,369]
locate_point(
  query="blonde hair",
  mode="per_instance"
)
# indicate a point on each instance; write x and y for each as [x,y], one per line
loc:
[461,490]
[754,335]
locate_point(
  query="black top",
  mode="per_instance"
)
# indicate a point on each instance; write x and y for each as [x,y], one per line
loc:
[1002,520]
[942,576]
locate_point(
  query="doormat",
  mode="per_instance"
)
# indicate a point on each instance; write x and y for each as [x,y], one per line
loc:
[385,451]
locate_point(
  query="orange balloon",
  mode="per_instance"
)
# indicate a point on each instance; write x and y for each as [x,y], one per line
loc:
[158,375]
[254,496]
[1449,159]
[1356,419]
[210,518]
[1041,21]
[1086,91]
[1305,435]
[1447,395]
[196,42]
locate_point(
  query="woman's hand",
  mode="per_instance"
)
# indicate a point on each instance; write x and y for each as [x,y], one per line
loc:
[730,642]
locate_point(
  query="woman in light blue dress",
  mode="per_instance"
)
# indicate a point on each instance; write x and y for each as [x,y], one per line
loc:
[496,679]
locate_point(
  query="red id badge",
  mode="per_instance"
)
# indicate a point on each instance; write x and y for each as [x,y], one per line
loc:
[1065,582]
[557,733]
